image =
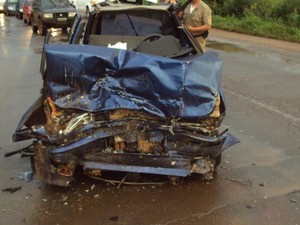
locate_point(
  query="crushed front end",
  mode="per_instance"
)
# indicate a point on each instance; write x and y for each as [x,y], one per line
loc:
[116,110]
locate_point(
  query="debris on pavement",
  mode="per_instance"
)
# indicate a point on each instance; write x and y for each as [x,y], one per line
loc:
[293,200]
[12,189]
[26,176]
[114,218]
[294,196]
[241,182]
[250,206]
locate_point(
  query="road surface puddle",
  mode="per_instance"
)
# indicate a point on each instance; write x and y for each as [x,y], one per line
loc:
[225,47]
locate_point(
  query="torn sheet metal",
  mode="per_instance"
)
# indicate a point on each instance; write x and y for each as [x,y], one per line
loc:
[94,79]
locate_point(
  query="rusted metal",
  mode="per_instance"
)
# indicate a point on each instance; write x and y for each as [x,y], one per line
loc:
[44,169]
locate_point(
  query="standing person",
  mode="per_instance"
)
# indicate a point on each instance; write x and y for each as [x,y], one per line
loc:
[197,17]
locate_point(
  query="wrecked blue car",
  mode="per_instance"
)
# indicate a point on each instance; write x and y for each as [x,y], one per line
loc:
[132,92]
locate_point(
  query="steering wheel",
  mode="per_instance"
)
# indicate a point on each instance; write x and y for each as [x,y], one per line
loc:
[152,37]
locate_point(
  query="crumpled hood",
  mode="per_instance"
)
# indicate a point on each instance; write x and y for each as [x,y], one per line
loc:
[95,79]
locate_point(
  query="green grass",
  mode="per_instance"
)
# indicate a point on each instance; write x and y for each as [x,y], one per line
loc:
[257,26]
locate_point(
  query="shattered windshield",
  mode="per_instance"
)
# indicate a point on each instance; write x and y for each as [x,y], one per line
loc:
[136,24]
[55,3]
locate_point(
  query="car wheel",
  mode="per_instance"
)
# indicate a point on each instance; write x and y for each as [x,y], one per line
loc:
[34,29]
[42,28]
[64,30]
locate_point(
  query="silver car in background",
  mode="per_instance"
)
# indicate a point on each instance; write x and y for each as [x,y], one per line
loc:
[10,7]
[86,6]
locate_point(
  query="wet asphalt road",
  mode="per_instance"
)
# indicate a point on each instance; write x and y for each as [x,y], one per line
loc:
[258,181]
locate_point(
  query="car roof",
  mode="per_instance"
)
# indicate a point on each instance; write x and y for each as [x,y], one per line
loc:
[110,7]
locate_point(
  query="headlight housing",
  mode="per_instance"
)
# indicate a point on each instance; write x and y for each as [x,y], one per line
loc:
[72,14]
[48,15]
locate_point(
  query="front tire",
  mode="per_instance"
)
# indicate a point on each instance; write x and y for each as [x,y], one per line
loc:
[34,29]
[42,28]
[64,30]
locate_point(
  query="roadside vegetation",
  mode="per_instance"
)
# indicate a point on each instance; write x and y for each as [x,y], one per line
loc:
[279,19]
